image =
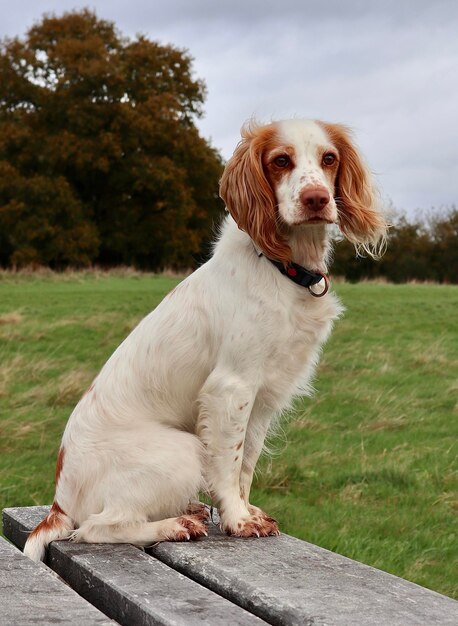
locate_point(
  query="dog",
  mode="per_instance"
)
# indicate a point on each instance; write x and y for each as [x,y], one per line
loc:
[186,401]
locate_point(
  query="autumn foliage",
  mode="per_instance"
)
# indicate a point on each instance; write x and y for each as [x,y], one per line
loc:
[100,158]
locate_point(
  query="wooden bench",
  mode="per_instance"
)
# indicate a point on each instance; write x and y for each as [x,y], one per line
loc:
[217,580]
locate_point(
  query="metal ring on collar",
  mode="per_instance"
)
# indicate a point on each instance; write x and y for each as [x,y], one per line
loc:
[325,290]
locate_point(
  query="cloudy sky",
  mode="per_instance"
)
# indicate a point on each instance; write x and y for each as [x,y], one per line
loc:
[388,68]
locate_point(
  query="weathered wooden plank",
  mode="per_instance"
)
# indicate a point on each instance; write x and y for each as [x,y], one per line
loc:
[128,584]
[284,580]
[31,594]
[290,582]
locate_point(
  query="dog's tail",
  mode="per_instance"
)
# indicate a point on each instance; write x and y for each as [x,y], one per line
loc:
[56,525]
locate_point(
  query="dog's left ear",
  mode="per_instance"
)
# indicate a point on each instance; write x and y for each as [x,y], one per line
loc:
[360,219]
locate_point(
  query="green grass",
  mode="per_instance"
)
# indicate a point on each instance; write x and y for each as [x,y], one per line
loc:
[367,467]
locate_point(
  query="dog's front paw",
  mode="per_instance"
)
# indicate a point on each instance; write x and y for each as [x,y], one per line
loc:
[252,526]
[257,512]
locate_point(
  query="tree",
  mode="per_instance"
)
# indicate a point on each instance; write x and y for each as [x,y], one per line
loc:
[444,232]
[100,158]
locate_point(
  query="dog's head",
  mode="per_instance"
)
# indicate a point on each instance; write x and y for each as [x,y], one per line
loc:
[298,173]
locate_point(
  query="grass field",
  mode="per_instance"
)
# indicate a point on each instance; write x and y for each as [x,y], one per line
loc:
[367,467]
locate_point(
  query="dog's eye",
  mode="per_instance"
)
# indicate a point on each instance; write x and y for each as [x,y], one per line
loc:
[281,161]
[329,158]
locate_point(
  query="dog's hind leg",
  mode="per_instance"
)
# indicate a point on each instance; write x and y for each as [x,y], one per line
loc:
[141,495]
[182,528]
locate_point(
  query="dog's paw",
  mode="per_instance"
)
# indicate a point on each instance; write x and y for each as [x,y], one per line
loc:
[257,512]
[183,528]
[199,510]
[253,526]
[194,526]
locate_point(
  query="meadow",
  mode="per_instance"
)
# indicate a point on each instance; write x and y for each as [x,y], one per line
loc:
[367,467]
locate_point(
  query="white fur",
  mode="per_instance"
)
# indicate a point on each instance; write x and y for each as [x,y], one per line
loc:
[310,142]
[186,400]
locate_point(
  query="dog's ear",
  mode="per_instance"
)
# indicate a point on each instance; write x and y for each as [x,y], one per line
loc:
[357,200]
[248,195]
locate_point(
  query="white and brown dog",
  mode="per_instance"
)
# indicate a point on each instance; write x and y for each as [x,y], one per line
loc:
[185,402]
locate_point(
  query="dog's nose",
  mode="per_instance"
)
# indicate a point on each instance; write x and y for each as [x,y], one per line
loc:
[314,199]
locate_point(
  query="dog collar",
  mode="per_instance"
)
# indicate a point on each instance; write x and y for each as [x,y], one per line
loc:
[303,277]
[300,275]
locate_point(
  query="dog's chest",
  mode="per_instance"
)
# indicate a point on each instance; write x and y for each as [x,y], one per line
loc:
[294,347]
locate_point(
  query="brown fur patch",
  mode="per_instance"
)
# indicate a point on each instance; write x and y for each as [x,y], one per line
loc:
[60,463]
[355,195]
[56,509]
[51,521]
[276,174]
[248,193]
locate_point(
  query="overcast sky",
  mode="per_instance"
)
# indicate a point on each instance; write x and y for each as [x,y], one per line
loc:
[387,68]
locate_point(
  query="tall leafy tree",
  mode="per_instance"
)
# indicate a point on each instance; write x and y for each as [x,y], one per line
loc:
[100,158]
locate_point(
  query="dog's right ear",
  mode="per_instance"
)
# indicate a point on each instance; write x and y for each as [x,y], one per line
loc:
[248,195]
